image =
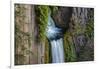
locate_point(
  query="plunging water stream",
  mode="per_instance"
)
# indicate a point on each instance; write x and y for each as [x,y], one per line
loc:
[54,35]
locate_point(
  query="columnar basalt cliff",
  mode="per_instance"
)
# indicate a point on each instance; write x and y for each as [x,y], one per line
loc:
[73,25]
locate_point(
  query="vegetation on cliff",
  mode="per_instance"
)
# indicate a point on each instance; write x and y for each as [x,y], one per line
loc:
[78,38]
[42,19]
[69,48]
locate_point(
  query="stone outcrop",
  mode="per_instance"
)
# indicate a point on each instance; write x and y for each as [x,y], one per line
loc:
[62,17]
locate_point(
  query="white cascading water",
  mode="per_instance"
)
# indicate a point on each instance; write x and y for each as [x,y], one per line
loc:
[57,51]
[56,44]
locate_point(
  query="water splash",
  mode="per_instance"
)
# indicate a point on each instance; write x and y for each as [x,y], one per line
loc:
[54,35]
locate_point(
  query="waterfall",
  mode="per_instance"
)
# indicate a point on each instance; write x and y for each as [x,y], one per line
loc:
[54,35]
[57,51]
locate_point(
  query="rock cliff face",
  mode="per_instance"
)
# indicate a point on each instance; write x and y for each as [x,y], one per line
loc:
[30,40]
[83,33]
[25,45]
[62,17]
[31,44]
[79,34]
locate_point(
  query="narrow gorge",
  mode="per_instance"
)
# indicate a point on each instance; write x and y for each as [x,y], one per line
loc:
[53,34]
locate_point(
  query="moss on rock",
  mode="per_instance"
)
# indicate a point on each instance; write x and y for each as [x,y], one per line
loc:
[47,57]
[42,19]
[69,50]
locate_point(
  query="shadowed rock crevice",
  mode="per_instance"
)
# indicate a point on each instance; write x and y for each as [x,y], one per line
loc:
[62,17]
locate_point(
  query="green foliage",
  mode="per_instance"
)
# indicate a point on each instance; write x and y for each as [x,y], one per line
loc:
[54,9]
[87,52]
[89,32]
[78,29]
[47,48]
[70,54]
[42,19]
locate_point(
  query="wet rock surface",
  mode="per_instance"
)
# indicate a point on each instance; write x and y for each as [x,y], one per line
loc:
[62,17]
[80,30]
